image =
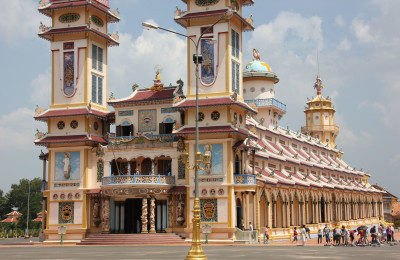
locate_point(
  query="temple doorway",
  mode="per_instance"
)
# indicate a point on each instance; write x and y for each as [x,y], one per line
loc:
[133,213]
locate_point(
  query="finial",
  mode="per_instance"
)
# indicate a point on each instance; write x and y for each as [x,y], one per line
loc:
[318,85]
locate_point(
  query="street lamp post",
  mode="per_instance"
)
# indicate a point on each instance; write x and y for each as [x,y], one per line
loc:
[27,214]
[196,251]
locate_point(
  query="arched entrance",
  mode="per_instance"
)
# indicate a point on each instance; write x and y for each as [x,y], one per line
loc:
[323,210]
[146,166]
[263,211]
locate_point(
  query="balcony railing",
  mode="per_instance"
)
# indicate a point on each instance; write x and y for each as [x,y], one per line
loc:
[142,141]
[139,179]
[333,128]
[267,102]
[245,179]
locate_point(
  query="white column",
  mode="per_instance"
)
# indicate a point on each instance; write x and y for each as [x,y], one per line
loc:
[247,209]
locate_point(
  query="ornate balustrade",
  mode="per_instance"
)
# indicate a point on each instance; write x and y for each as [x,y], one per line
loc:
[138,179]
[267,102]
[142,141]
[245,179]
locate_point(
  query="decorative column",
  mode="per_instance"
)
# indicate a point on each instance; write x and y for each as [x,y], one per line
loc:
[247,209]
[144,216]
[152,216]
[122,219]
[105,215]
[274,209]
[117,218]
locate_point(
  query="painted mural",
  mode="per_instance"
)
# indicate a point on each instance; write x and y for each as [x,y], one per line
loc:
[67,166]
[69,84]
[147,120]
[216,158]
[207,67]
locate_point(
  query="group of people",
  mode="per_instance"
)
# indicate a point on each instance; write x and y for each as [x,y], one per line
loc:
[346,236]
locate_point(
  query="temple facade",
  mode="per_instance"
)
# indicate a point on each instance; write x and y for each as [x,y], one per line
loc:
[135,181]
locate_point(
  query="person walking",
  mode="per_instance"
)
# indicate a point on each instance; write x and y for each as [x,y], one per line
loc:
[338,236]
[389,233]
[392,228]
[295,235]
[303,235]
[319,236]
[266,234]
[327,231]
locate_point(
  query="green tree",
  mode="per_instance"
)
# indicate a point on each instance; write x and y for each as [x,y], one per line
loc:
[18,197]
[3,206]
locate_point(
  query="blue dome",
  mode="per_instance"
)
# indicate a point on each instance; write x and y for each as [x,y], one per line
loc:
[257,66]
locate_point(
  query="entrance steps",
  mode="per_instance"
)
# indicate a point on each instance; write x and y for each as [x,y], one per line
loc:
[134,239]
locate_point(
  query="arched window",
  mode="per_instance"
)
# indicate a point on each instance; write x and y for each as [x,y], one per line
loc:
[125,129]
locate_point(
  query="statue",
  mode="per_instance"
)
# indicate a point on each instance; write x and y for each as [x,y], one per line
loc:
[105,218]
[67,166]
[158,86]
[96,212]
[207,149]
[181,217]
[256,54]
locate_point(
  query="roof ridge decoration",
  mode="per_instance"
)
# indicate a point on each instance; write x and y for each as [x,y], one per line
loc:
[178,12]
[39,110]
[43,4]
[114,12]
[43,28]
[114,36]
[39,135]
[111,96]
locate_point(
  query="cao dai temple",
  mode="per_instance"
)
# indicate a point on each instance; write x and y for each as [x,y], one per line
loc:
[134,180]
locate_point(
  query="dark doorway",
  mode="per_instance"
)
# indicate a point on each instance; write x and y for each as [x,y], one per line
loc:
[239,214]
[323,210]
[161,215]
[133,213]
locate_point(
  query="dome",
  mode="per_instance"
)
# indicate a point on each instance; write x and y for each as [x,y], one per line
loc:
[257,66]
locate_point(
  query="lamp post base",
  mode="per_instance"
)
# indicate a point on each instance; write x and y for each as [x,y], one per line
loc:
[196,251]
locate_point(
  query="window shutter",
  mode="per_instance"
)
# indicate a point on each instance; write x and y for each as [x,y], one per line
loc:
[131,130]
[100,91]
[100,59]
[94,89]
[233,42]
[118,130]
[161,128]
[237,45]
[94,57]
[233,76]
[237,78]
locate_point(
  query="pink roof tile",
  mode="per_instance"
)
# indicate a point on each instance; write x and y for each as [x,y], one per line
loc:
[148,95]
[206,102]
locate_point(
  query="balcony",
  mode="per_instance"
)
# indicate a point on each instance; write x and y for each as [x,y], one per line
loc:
[141,141]
[245,179]
[315,128]
[267,102]
[139,179]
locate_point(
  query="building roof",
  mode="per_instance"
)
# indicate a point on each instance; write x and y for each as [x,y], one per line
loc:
[46,140]
[72,112]
[50,32]
[113,16]
[214,102]
[385,192]
[147,95]
[185,17]
[244,2]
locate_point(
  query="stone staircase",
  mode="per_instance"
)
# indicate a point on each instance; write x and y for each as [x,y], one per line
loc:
[134,239]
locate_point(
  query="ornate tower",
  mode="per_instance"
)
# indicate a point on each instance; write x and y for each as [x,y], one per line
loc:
[259,88]
[320,119]
[78,118]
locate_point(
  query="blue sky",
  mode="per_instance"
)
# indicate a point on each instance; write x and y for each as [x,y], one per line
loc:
[358,44]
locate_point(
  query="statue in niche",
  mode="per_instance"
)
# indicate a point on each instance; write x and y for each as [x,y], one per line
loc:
[256,54]
[181,216]
[105,218]
[207,150]
[96,212]
[67,166]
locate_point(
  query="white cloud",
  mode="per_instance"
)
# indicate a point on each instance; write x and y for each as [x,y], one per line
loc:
[361,30]
[134,60]
[339,21]
[17,130]
[344,45]
[41,89]
[20,19]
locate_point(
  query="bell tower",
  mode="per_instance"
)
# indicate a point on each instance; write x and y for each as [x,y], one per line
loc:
[320,119]
[78,118]
[221,46]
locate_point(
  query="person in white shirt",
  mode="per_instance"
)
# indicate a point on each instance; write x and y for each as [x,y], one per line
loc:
[303,235]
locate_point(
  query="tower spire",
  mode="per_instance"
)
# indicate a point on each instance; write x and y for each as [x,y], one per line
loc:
[318,85]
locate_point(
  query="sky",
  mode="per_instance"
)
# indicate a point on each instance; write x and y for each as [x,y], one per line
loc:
[358,45]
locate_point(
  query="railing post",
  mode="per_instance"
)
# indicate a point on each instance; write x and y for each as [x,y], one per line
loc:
[159,179]
[134,179]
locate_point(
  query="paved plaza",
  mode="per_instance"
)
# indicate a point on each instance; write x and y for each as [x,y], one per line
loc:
[213,252]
